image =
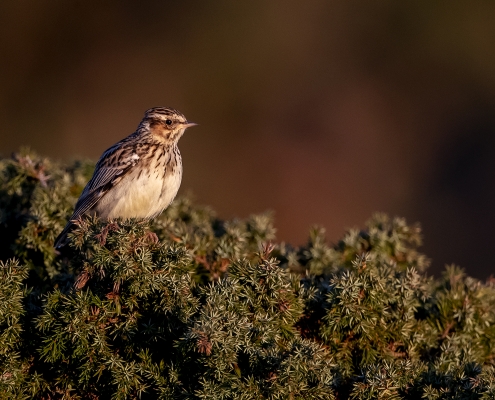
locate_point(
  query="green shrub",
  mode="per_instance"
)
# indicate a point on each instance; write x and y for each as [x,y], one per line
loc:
[218,309]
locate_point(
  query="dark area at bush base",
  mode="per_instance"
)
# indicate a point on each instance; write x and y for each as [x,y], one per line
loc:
[218,309]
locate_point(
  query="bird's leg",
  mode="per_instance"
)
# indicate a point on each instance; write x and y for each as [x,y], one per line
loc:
[102,236]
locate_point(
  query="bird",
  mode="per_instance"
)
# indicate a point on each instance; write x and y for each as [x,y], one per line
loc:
[137,177]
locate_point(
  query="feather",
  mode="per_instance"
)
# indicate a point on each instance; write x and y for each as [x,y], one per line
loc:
[113,165]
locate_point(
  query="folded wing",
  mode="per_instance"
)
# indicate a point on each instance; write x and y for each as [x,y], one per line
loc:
[113,165]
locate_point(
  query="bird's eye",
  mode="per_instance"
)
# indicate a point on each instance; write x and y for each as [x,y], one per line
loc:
[168,122]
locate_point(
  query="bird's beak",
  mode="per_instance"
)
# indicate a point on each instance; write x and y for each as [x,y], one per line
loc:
[189,124]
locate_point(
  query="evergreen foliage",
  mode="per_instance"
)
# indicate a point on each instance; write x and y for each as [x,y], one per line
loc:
[213,309]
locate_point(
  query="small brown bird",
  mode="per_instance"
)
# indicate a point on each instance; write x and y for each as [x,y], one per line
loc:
[137,177]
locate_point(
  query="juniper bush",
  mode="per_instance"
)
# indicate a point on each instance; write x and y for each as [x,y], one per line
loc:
[219,309]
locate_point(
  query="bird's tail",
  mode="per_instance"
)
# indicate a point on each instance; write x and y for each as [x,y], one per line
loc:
[62,239]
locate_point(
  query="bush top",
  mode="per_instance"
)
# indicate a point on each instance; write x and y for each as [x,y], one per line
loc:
[220,309]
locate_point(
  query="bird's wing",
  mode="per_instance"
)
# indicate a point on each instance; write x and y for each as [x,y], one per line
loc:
[113,165]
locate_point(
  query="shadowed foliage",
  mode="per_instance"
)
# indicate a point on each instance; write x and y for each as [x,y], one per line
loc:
[218,309]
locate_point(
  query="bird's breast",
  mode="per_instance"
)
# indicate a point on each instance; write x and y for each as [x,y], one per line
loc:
[145,191]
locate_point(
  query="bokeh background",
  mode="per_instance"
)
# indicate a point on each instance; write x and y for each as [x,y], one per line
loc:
[322,111]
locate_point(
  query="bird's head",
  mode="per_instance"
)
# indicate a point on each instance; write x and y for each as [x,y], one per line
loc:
[166,124]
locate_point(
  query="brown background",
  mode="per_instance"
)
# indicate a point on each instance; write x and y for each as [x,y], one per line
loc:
[322,111]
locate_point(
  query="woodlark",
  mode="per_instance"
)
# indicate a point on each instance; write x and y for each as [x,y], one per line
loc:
[137,177]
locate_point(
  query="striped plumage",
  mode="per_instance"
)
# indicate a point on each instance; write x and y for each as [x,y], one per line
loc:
[137,177]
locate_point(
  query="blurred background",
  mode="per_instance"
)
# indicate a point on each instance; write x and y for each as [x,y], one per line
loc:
[322,111]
